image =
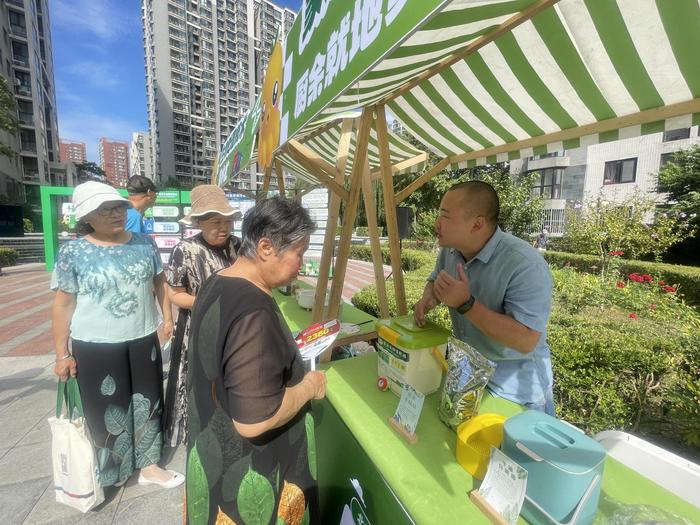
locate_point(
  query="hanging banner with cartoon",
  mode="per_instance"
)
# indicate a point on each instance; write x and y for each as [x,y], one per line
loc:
[238,149]
[333,43]
[269,136]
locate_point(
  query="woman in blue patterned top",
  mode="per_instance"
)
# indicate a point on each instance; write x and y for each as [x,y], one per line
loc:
[104,307]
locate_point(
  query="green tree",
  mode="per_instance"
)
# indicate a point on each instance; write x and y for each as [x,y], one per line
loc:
[90,171]
[520,211]
[8,116]
[634,226]
[680,178]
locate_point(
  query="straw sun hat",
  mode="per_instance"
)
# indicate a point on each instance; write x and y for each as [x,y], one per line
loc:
[209,198]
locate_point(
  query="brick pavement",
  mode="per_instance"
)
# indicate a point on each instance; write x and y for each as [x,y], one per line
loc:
[27,398]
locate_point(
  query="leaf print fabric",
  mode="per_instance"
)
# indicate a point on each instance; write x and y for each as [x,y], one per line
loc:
[121,390]
[241,360]
[113,287]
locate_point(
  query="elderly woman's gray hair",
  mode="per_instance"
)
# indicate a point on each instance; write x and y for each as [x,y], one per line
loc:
[284,222]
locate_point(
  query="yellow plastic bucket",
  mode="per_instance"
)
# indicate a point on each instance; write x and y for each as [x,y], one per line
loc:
[474,440]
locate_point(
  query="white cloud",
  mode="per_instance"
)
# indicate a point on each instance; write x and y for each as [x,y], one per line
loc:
[88,126]
[104,19]
[97,74]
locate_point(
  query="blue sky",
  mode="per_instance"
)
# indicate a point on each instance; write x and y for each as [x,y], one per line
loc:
[99,69]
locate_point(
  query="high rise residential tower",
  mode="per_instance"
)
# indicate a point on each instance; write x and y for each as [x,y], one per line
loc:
[204,66]
[26,63]
[140,160]
[114,160]
[73,151]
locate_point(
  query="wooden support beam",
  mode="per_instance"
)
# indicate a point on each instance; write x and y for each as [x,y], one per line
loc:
[507,26]
[635,119]
[266,183]
[377,259]
[315,170]
[280,177]
[358,166]
[333,212]
[424,178]
[303,192]
[313,157]
[399,166]
[390,210]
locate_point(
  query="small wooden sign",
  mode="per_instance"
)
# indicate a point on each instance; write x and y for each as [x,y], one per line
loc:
[405,420]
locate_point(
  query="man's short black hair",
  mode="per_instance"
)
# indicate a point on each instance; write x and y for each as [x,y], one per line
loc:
[480,198]
[138,185]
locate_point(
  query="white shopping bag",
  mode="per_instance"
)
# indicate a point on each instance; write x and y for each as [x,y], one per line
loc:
[75,472]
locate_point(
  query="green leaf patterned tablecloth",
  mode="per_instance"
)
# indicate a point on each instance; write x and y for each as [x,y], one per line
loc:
[426,477]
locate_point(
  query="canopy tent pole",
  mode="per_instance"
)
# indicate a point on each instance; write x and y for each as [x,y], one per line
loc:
[420,181]
[399,166]
[341,262]
[266,183]
[390,210]
[333,212]
[634,119]
[377,259]
[299,152]
[280,177]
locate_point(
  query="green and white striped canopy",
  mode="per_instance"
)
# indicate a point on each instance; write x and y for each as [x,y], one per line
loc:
[325,145]
[576,73]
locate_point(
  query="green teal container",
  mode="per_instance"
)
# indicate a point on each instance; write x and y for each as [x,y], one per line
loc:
[406,353]
[564,466]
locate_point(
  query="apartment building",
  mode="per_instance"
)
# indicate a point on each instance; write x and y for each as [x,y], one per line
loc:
[204,64]
[614,170]
[140,158]
[73,151]
[114,160]
[26,63]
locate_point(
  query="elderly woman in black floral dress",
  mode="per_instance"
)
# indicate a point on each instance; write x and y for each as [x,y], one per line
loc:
[192,262]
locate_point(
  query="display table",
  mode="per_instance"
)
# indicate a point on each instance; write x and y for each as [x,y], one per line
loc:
[420,483]
[297,318]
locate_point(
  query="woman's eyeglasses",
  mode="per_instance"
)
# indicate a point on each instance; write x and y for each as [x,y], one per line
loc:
[106,211]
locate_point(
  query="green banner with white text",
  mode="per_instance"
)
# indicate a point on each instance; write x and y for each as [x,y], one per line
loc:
[333,43]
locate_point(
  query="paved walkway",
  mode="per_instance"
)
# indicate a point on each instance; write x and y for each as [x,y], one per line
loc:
[28,398]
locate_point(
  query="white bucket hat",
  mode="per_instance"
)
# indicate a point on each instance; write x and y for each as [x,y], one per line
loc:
[90,195]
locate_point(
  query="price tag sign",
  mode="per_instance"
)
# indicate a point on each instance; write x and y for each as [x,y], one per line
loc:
[405,420]
[502,492]
[316,339]
[166,227]
[166,242]
[166,211]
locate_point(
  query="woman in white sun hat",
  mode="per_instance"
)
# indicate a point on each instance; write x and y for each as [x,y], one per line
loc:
[105,311]
[191,263]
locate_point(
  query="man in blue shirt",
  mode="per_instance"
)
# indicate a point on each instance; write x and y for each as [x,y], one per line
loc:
[499,293]
[142,195]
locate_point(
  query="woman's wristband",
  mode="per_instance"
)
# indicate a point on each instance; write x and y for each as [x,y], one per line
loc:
[67,356]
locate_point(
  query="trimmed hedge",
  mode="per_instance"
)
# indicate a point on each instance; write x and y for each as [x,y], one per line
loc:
[363,231]
[685,278]
[8,257]
[612,370]
[410,259]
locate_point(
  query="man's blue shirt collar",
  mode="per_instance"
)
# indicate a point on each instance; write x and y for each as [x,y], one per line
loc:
[486,252]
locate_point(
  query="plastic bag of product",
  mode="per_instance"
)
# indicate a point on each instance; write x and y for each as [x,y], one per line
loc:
[468,373]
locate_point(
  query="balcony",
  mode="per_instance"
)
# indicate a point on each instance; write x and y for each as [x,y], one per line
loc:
[26,119]
[19,31]
[31,176]
[21,61]
[18,3]
[23,91]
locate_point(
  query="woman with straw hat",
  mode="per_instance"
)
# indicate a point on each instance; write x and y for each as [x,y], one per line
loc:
[192,262]
[105,311]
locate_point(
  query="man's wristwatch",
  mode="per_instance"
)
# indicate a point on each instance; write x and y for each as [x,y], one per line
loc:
[466,306]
